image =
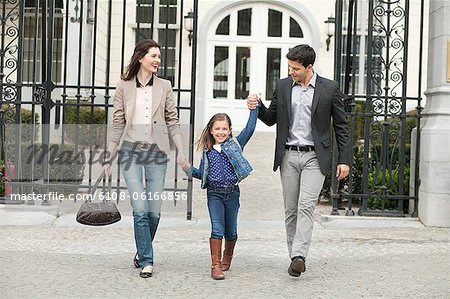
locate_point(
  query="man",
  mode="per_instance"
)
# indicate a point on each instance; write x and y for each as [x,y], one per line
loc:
[303,105]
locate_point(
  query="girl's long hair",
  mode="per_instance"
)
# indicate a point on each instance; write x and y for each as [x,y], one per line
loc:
[207,139]
[140,50]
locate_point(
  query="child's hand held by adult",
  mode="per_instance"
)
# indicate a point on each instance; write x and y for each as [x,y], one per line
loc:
[183,163]
[107,168]
[252,101]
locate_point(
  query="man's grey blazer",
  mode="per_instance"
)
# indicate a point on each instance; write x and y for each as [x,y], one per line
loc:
[327,106]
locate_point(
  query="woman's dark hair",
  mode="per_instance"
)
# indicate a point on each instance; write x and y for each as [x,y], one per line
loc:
[207,139]
[303,54]
[140,51]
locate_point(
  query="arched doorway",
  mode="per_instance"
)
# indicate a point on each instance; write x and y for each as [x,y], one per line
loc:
[244,52]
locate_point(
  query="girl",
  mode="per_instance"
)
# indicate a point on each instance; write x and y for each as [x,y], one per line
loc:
[222,167]
[144,117]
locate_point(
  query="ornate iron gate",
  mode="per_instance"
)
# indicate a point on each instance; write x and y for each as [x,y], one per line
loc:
[384,106]
[59,62]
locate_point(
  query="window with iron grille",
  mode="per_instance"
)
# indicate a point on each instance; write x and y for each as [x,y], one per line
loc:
[358,65]
[32,42]
[158,20]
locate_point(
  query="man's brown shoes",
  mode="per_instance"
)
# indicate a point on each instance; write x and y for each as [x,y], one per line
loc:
[297,266]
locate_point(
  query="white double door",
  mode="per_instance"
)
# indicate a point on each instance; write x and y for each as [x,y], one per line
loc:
[246,53]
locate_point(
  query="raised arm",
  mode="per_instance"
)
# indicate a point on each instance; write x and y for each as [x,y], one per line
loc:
[247,132]
[266,115]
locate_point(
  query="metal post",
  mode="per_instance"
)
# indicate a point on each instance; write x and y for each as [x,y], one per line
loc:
[192,116]
[419,111]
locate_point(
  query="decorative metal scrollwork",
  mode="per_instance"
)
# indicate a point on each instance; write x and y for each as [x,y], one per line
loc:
[76,8]
[389,33]
[10,50]
[39,94]
[9,93]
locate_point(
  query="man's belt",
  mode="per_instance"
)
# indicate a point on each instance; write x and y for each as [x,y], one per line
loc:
[300,148]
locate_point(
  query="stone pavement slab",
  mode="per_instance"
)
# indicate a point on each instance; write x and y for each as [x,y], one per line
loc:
[46,254]
[85,262]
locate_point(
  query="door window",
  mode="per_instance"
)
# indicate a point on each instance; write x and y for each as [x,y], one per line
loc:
[244,22]
[273,70]
[275,23]
[249,47]
[220,72]
[242,86]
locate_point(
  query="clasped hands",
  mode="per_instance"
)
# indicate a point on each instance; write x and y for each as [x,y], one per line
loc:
[252,101]
[183,162]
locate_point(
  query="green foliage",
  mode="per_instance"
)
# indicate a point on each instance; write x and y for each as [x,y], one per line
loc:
[26,127]
[326,188]
[25,114]
[411,123]
[385,186]
[27,117]
[358,122]
[375,181]
[376,186]
[88,128]
[12,130]
[357,169]
[393,154]
[2,178]
[65,167]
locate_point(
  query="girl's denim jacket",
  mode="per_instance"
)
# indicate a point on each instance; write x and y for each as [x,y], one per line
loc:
[232,147]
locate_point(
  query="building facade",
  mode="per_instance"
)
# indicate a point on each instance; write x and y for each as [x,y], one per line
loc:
[216,53]
[241,45]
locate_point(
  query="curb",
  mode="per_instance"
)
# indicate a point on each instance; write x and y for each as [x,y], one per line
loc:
[333,221]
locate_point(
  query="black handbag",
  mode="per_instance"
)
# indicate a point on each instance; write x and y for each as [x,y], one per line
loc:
[98,213]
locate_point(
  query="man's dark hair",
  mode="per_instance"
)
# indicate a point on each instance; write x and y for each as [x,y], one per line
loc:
[303,54]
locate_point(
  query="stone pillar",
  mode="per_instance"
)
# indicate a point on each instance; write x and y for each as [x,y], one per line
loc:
[434,190]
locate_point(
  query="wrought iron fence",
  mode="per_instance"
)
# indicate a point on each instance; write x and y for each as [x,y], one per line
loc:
[59,62]
[374,69]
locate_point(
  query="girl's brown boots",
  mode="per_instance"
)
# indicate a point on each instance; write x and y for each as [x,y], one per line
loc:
[228,254]
[215,246]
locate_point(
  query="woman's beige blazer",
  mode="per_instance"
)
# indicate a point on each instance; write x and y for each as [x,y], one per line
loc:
[164,114]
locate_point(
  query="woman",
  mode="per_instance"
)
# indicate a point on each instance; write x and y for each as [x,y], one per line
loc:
[144,117]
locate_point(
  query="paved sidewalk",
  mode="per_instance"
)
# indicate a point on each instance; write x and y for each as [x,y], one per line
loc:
[46,254]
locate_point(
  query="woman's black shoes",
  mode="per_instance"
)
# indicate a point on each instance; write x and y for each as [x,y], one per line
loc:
[136,261]
[146,272]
